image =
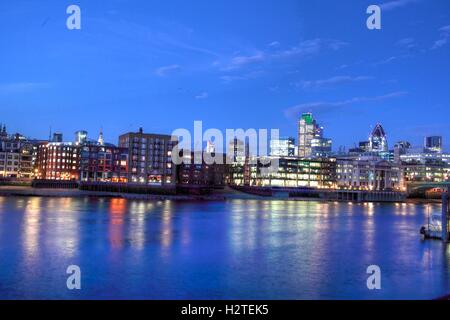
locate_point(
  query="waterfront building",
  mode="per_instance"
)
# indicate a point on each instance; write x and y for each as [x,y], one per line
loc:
[433,144]
[368,173]
[292,172]
[103,163]
[16,156]
[58,161]
[150,158]
[284,147]
[201,174]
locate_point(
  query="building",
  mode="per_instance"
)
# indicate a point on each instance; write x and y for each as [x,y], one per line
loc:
[58,161]
[201,174]
[103,163]
[237,151]
[378,140]
[433,144]
[81,137]
[57,137]
[16,156]
[311,142]
[307,130]
[292,172]
[401,148]
[284,147]
[150,158]
[368,173]
[321,147]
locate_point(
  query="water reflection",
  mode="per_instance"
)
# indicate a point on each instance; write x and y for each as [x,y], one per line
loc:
[242,249]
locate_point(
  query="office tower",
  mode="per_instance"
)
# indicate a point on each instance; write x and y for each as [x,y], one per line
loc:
[433,144]
[307,130]
[378,140]
[282,147]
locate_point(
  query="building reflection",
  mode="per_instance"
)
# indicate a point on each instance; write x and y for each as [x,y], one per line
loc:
[117,211]
[166,228]
[31,227]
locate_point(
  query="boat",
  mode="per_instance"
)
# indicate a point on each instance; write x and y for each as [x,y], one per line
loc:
[433,229]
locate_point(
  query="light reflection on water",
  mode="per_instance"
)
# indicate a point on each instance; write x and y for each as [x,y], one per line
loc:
[240,249]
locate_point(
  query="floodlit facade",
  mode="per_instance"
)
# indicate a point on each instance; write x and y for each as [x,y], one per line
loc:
[293,172]
[368,174]
[307,130]
[58,161]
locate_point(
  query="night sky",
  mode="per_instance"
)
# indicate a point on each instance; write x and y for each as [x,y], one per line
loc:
[232,64]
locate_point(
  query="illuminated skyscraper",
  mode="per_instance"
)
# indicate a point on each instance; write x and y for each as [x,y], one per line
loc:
[377,140]
[307,130]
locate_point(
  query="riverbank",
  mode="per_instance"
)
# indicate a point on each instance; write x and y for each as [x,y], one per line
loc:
[217,195]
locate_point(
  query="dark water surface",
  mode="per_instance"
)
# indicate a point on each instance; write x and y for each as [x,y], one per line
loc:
[240,249]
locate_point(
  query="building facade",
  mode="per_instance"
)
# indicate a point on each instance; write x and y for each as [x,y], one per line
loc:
[370,174]
[292,172]
[103,163]
[150,158]
[58,161]
[284,147]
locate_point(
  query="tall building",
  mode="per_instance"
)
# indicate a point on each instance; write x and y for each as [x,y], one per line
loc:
[311,142]
[284,147]
[378,140]
[150,158]
[307,130]
[433,144]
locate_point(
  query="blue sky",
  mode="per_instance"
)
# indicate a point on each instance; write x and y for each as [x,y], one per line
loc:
[232,64]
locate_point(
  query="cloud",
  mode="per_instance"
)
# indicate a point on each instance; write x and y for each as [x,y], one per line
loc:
[445,37]
[313,84]
[202,95]
[274,44]
[226,79]
[323,107]
[166,70]
[301,50]
[407,43]
[240,61]
[22,87]
[391,5]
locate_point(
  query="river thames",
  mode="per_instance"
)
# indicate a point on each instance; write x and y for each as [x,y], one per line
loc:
[236,249]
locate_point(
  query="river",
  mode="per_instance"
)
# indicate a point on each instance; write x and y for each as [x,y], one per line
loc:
[236,249]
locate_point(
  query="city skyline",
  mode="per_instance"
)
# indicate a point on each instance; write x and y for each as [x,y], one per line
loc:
[126,69]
